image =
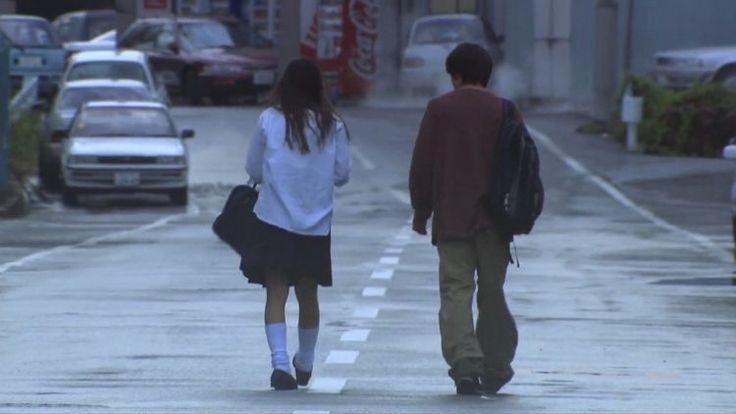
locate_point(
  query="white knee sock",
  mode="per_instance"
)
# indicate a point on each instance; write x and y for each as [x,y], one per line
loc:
[276,335]
[307,343]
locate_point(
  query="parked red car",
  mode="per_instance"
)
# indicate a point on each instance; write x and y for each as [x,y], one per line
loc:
[198,57]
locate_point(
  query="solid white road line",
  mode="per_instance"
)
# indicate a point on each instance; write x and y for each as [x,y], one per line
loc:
[374,291]
[389,260]
[365,312]
[362,159]
[94,240]
[327,385]
[617,195]
[342,357]
[310,412]
[355,335]
[382,274]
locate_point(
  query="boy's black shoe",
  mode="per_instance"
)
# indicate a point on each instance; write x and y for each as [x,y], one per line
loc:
[302,377]
[467,386]
[281,380]
[491,385]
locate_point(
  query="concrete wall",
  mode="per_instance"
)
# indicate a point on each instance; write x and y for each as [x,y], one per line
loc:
[654,25]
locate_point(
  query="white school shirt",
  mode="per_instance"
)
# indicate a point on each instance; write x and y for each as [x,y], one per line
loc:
[297,190]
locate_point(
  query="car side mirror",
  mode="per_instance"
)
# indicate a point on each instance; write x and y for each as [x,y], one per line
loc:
[187,133]
[730,152]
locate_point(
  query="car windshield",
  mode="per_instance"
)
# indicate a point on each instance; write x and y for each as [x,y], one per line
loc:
[107,70]
[98,25]
[73,98]
[205,35]
[448,31]
[123,121]
[29,32]
[243,36]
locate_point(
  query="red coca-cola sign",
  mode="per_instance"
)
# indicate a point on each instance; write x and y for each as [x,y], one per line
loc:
[363,18]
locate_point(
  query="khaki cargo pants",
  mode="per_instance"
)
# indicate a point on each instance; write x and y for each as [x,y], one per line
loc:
[488,348]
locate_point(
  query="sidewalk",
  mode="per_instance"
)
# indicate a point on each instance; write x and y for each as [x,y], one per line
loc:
[691,193]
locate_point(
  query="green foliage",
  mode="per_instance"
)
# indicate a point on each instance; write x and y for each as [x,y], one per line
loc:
[694,122]
[24,136]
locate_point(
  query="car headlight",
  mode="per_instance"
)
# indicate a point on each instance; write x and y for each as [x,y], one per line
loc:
[82,159]
[413,62]
[174,159]
[220,69]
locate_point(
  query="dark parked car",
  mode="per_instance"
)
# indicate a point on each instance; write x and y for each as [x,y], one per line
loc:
[84,25]
[199,58]
[35,49]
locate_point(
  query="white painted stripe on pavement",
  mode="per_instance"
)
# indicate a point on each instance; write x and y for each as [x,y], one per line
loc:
[617,195]
[362,159]
[402,196]
[365,312]
[94,240]
[355,335]
[394,250]
[310,412]
[382,274]
[374,291]
[327,385]
[389,260]
[342,357]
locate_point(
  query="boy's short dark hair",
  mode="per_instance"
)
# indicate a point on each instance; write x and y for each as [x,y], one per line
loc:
[471,62]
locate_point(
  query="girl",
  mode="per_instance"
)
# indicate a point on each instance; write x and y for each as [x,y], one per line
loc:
[298,154]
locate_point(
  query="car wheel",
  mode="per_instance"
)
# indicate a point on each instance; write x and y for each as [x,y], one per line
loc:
[180,197]
[48,174]
[190,91]
[69,196]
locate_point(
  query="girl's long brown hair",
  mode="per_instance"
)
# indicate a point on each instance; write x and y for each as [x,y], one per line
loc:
[299,92]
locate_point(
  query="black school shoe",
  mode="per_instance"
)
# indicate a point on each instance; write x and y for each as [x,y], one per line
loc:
[492,384]
[281,380]
[467,386]
[302,377]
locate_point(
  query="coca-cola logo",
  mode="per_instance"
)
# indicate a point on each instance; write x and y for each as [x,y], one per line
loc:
[364,15]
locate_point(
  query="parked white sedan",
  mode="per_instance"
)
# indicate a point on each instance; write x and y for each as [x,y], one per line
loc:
[432,38]
[125,147]
[678,69]
[105,41]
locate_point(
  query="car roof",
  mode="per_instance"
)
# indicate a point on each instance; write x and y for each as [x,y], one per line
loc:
[22,17]
[97,12]
[458,16]
[122,55]
[125,104]
[100,83]
[188,19]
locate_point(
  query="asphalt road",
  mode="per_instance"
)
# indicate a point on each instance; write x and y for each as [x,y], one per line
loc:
[129,305]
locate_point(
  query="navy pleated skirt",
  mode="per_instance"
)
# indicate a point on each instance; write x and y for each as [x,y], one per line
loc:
[296,256]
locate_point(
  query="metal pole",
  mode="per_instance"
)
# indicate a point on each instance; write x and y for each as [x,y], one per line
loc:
[4,116]
[289,36]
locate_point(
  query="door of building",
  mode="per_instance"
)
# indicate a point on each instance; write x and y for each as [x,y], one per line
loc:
[552,60]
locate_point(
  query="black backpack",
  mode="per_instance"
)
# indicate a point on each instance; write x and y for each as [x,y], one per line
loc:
[515,197]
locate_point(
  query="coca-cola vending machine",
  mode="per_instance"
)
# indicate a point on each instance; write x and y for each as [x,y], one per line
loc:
[342,36]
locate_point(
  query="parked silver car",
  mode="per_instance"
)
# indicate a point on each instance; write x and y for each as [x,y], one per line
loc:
[68,99]
[125,147]
[679,69]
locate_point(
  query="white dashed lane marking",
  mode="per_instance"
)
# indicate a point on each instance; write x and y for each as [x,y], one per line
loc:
[382,274]
[374,291]
[389,260]
[394,250]
[342,357]
[327,386]
[355,335]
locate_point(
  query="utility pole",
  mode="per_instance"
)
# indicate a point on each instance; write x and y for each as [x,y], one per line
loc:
[4,115]
[290,33]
